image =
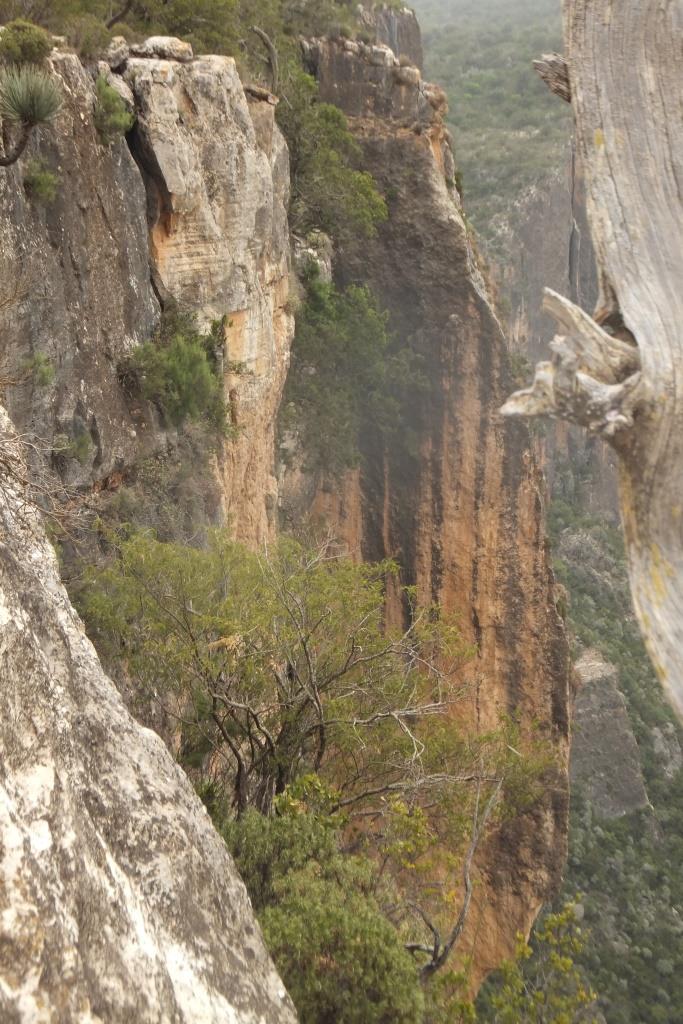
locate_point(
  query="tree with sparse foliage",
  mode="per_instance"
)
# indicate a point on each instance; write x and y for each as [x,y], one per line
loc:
[543,984]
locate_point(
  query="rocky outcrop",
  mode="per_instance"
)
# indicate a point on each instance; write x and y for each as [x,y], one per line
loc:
[76,290]
[397,28]
[118,900]
[461,507]
[605,760]
[196,215]
[216,169]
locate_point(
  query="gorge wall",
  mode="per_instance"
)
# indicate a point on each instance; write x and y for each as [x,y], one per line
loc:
[193,210]
[461,508]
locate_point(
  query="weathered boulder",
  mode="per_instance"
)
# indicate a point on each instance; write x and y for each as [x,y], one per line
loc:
[118,900]
[165,48]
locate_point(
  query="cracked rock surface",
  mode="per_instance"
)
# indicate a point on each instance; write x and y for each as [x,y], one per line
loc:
[118,900]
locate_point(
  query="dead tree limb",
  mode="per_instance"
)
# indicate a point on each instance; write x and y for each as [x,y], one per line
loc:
[120,15]
[625,68]
[273,58]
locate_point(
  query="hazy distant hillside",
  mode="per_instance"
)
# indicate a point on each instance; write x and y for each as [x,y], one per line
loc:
[509,130]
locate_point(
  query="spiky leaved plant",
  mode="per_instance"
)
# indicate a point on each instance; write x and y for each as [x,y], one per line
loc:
[28,97]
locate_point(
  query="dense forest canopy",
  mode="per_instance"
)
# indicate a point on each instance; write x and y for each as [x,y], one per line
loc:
[509,130]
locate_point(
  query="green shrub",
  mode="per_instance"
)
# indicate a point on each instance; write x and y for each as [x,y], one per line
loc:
[21,42]
[88,36]
[112,118]
[346,377]
[28,96]
[40,182]
[337,372]
[327,193]
[338,955]
[79,447]
[40,369]
[177,371]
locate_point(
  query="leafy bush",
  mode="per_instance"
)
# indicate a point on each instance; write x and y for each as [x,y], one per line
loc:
[40,182]
[339,956]
[176,371]
[327,193]
[346,378]
[543,984]
[112,118]
[21,42]
[40,369]
[28,96]
[337,372]
[78,447]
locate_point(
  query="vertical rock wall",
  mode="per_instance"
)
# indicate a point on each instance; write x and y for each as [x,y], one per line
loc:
[464,514]
[217,174]
[196,214]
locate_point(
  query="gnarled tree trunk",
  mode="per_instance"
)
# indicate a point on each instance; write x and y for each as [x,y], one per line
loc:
[621,374]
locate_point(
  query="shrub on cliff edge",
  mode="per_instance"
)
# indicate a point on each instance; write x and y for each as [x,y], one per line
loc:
[21,42]
[112,118]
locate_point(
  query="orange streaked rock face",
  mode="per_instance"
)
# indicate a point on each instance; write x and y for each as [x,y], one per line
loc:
[461,508]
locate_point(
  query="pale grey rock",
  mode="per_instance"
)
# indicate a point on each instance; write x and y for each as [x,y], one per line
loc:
[397,28]
[164,47]
[667,747]
[76,274]
[216,169]
[382,57]
[315,248]
[118,900]
[117,53]
[605,761]
[408,76]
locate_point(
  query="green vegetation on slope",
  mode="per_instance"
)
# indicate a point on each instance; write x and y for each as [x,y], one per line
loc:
[630,870]
[325,748]
[509,130]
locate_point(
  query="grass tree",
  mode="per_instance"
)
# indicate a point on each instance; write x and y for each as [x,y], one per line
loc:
[29,98]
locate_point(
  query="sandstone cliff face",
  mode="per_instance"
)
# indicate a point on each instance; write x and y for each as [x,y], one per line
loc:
[463,514]
[118,900]
[217,174]
[199,217]
[398,29]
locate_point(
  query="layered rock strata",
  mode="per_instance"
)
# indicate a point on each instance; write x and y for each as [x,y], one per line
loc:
[461,507]
[118,900]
